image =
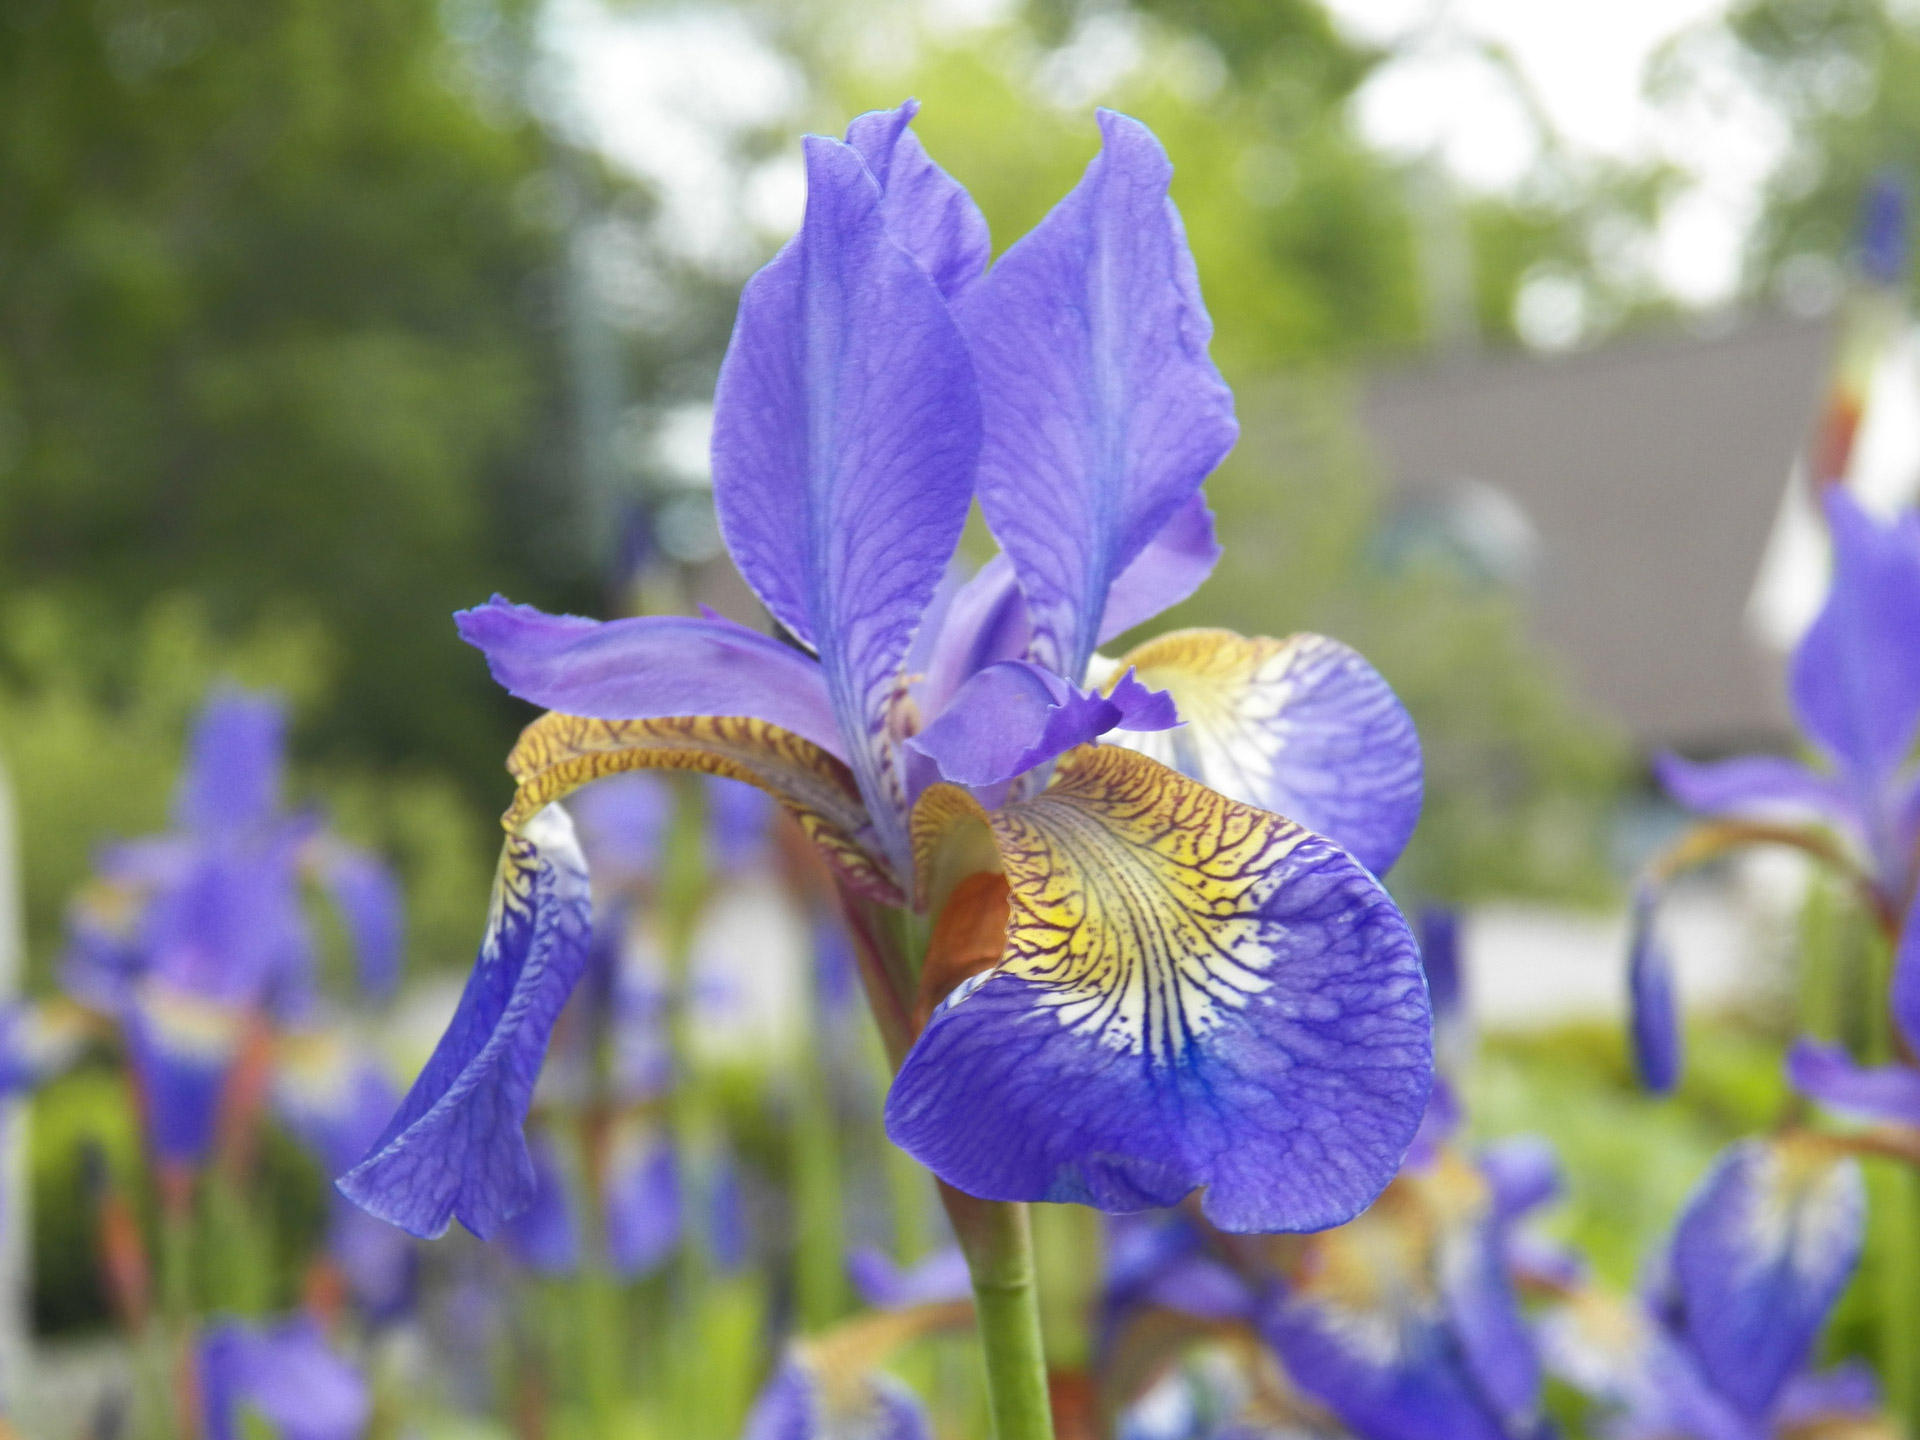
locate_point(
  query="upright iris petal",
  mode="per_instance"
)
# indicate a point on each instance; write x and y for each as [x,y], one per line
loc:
[1652,1006]
[929,214]
[1103,411]
[455,1149]
[847,425]
[232,780]
[1193,993]
[1856,675]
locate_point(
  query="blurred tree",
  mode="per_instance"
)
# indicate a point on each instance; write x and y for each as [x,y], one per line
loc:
[1845,78]
[276,327]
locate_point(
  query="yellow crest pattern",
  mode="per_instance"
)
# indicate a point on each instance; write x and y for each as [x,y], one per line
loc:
[1137,898]
[1232,690]
[557,754]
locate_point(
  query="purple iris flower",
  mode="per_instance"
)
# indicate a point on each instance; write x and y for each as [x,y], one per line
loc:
[194,937]
[286,1375]
[1718,1346]
[1405,1323]
[1187,990]
[1855,691]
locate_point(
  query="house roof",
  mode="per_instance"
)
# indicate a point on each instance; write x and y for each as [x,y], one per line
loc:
[1650,472]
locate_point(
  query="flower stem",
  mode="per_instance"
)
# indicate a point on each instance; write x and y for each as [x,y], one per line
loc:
[997,1237]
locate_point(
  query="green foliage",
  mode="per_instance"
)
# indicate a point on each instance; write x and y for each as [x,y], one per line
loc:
[272,330]
[1846,76]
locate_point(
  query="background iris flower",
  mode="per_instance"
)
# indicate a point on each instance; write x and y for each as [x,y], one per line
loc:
[1719,1343]
[198,942]
[1855,692]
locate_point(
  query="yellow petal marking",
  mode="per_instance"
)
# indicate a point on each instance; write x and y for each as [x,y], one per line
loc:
[1136,899]
[557,754]
[1231,690]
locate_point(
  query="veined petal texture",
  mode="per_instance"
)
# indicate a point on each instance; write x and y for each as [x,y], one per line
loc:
[1103,412]
[651,667]
[456,1148]
[1855,679]
[557,754]
[1194,993]
[1303,727]
[1175,563]
[929,214]
[846,431]
[1761,1253]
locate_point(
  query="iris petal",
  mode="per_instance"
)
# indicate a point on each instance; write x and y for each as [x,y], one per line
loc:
[232,779]
[1014,715]
[1103,411]
[557,754]
[1653,1009]
[1761,1253]
[1194,993]
[1855,679]
[1303,727]
[1880,1092]
[1174,565]
[1369,1325]
[929,213]
[456,1148]
[1757,785]
[846,431]
[651,666]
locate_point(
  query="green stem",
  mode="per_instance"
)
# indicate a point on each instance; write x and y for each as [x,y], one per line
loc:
[997,1237]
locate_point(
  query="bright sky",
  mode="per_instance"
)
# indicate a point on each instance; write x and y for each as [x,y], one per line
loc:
[664,91]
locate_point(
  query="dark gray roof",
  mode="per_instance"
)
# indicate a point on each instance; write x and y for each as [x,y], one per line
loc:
[1651,472]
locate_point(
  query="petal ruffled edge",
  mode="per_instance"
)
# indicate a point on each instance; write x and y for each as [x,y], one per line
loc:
[1303,727]
[456,1148]
[1194,993]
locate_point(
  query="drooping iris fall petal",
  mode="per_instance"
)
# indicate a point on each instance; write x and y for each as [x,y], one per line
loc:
[1194,993]
[1303,727]
[1761,1253]
[1103,413]
[846,430]
[455,1149]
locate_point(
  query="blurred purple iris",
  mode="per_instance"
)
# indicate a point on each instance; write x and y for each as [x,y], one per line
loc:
[1718,1345]
[1855,690]
[197,939]
[935,739]
[287,1375]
